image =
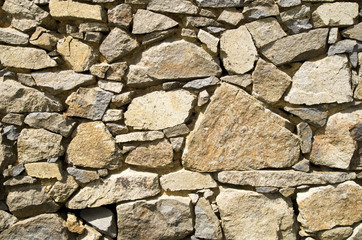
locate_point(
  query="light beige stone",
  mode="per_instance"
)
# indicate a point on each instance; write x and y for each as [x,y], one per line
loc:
[113,115]
[43,170]
[6,220]
[322,81]
[186,180]
[337,14]
[120,15]
[354,32]
[269,83]
[219,3]
[155,154]
[335,146]
[250,215]
[238,52]
[239,80]
[231,16]
[70,9]
[297,47]
[77,54]
[357,233]
[172,6]
[44,38]
[127,185]
[38,144]
[140,136]
[282,179]
[209,40]
[74,224]
[155,22]
[237,133]
[31,100]
[265,31]
[12,36]
[25,57]
[299,12]
[338,233]
[200,22]
[316,213]
[99,70]
[62,190]
[306,134]
[94,147]
[260,9]
[111,86]
[160,109]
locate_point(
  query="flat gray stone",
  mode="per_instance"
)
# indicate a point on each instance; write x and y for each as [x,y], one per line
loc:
[172,6]
[83,176]
[299,25]
[316,116]
[12,36]
[102,219]
[155,22]
[201,83]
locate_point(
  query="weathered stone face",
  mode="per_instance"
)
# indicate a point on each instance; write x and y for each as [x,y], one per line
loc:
[335,14]
[172,6]
[74,10]
[157,22]
[246,145]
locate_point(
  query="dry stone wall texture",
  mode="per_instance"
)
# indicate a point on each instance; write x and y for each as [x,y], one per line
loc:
[181,119]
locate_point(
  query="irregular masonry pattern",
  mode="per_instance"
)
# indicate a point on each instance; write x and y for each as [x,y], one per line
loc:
[181,119]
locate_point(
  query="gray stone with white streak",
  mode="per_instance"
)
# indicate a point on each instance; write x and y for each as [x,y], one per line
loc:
[102,219]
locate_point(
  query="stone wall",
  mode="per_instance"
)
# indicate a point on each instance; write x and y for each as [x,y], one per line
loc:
[181,119]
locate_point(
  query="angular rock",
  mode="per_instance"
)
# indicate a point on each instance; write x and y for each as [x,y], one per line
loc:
[38,144]
[13,118]
[242,128]
[155,22]
[12,36]
[117,44]
[140,136]
[335,146]
[297,47]
[344,46]
[127,185]
[231,16]
[74,225]
[172,6]
[6,220]
[265,31]
[75,10]
[219,4]
[117,129]
[16,170]
[322,81]
[316,116]
[207,225]
[90,103]
[93,27]
[94,147]
[158,36]
[272,178]
[238,52]
[354,32]
[44,38]
[298,26]
[333,35]
[43,170]
[83,176]
[25,57]
[164,218]
[57,82]
[99,70]
[11,132]
[27,201]
[337,233]
[260,216]
[62,190]
[111,86]
[260,8]
[113,115]
[289,3]
[337,14]
[239,80]
[209,40]
[120,15]
[305,133]
[177,143]
[201,83]
[269,83]
[160,109]
[200,22]
[315,213]
[303,166]
[160,62]
[186,180]
[203,98]
[302,11]
[19,180]
[44,226]
[151,155]
[53,122]
[116,71]
[188,33]
[357,233]
[102,219]
[175,131]
[77,54]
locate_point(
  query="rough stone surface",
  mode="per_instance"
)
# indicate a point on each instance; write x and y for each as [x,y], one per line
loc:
[102,219]
[113,115]
[172,6]
[260,8]
[219,4]
[207,225]
[302,11]
[164,218]
[19,180]
[298,26]
[357,233]
[174,60]
[303,166]
[44,226]
[151,155]
[57,82]
[269,83]
[93,146]
[38,144]
[335,146]
[354,32]
[186,180]
[260,216]
[238,80]
[175,131]
[62,190]
[127,185]
[265,31]
[322,81]
[44,38]
[75,10]
[25,57]
[297,47]
[317,116]
[77,54]
[335,14]
[273,178]
[43,170]
[6,220]
[289,3]
[209,40]
[117,45]
[27,201]
[155,22]
[83,176]
[159,110]
[111,86]
[201,83]
[140,136]
[231,16]
[120,15]
[238,52]
[315,213]
[12,36]
[337,233]
[305,133]
[53,122]
[90,103]
[13,118]
[221,146]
